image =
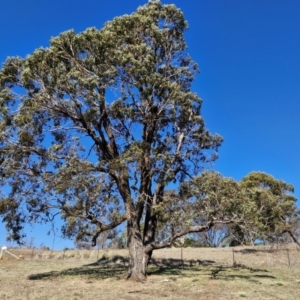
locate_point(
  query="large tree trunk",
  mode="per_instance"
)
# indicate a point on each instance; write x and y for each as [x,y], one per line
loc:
[138,258]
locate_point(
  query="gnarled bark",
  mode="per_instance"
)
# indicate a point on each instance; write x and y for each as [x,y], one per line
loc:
[138,258]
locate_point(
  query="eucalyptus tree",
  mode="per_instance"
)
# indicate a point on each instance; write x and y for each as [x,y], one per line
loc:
[99,125]
[273,206]
[259,207]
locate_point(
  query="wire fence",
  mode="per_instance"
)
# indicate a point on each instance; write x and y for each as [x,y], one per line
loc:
[272,256]
[287,255]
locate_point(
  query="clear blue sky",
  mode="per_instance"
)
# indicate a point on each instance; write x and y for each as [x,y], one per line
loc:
[249,56]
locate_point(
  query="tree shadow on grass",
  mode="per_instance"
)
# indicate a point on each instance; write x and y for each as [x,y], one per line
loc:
[115,260]
[90,272]
[213,271]
[116,268]
[253,251]
[171,262]
[165,271]
[239,271]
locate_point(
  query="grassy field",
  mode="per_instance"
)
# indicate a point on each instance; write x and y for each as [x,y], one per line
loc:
[206,274]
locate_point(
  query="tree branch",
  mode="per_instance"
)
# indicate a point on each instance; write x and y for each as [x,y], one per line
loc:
[192,229]
[293,237]
[102,227]
[156,246]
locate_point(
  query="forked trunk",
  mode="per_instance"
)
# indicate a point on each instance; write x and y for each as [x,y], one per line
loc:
[138,259]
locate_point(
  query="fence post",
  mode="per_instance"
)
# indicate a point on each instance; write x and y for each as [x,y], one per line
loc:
[32,253]
[288,256]
[268,259]
[98,252]
[233,260]
[181,255]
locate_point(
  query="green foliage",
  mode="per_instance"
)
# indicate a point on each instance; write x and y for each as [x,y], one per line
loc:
[259,207]
[275,209]
[190,242]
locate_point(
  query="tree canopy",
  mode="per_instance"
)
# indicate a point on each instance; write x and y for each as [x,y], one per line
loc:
[258,208]
[102,128]
[98,125]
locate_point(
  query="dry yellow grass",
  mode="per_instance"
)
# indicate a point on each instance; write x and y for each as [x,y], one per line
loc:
[207,274]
